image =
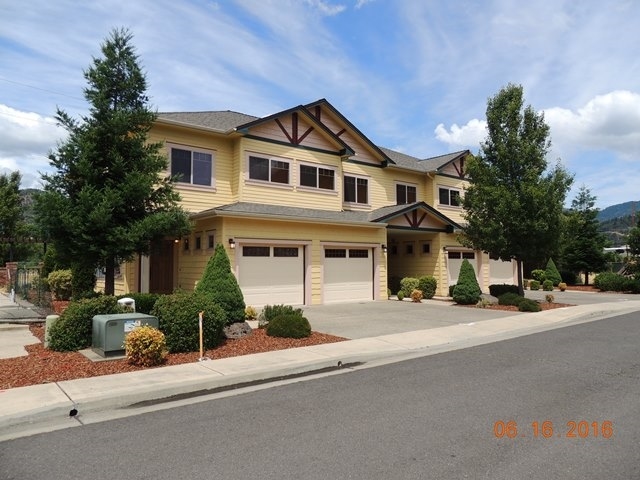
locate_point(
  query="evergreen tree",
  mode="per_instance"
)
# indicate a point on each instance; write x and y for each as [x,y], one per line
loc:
[107,199]
[467,291]
[513,207]
[10,213]
[583,249]
[552,273]
[219,282]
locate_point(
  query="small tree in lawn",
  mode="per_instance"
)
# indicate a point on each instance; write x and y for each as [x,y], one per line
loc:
[219,281]
[467,291]
[552,273]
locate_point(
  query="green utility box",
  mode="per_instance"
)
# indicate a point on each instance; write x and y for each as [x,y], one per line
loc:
[107,338]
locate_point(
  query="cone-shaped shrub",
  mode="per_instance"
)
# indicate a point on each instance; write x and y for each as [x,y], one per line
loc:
[221,285]
[552,273]
[467,290]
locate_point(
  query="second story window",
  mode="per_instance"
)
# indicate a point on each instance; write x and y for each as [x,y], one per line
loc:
[449,197]
[268,170]
[405,194]
[192,166]
[356,190]
[317,177]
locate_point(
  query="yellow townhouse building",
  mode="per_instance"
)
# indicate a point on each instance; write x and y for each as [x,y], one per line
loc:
[310,210]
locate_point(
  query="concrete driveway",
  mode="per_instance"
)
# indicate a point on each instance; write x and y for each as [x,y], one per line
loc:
[384,317]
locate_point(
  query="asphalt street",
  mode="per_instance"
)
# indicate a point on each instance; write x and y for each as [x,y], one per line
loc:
[440,416]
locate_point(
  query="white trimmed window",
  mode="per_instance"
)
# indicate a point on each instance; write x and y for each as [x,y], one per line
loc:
[266,169]
[449,196]
[192,166]
[317,177]
[356,189]
[405,193]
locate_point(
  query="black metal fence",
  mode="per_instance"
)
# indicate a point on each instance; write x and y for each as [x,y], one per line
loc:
[27,283]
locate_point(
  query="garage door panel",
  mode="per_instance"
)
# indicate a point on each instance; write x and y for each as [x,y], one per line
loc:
[501,272]
[272,280]
[348,278]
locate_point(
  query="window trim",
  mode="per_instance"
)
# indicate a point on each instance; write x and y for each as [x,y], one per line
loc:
[406,187]
[193,149]
[344,189]
[450,190]
[270,158]
[317,167]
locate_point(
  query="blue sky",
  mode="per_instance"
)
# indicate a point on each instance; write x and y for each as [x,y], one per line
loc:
[412,75]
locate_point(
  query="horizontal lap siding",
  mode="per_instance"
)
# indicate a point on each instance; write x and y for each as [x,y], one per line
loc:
[191,264]
[389,178]
[453,213]
[196,199]
[290,195]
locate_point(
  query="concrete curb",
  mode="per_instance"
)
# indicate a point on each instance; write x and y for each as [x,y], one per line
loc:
[25,406]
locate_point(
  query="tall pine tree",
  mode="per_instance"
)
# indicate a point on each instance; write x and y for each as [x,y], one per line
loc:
[107,199]
[583,248]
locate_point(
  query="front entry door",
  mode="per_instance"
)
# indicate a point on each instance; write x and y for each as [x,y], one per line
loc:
[161,267]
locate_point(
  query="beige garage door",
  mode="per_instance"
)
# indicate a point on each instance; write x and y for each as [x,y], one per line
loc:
[271,275]
[454,261]
[501,272]
[348,274]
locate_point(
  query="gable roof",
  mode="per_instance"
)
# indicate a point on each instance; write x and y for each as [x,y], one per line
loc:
[227,122]
[432,164]
[221,121]
[376,218]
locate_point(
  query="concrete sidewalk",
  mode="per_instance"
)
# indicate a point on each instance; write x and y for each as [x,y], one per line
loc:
[22,408]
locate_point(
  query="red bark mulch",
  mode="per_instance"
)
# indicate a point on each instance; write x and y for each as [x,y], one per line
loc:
[46,366]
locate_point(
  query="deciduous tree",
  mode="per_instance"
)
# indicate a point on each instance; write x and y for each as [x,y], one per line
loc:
[514,204]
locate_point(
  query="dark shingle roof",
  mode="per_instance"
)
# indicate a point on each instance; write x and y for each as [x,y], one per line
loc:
[286,212]
[221,121]
[431,164]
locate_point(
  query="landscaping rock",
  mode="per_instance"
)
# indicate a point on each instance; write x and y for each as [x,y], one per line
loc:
[237,330]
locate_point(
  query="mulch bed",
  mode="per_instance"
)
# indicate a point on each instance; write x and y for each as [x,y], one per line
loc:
[513,308]
[47,366]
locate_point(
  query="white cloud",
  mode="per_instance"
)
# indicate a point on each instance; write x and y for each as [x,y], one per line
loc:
[469,135]
[25,140]
[326,8]
[606,122]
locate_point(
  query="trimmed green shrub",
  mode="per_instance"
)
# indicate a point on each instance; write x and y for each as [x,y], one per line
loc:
[552,273]
[427,284]
[538,275]
[145,346]
[59,282]
[467,291]
[269,312]
[613,282]
[408,285]
[451,289]
[510,298]
[499,289]
[534,285]
[144,301]
[73,329]
[289,326]
[400,295]
[221,285]
[547,286]
[178,319]
[528,305]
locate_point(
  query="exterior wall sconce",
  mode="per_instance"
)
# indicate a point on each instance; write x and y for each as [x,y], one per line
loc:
[232,243]
[384,248]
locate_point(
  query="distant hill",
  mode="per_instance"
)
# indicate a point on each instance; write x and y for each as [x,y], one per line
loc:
[619,210]
[616,221]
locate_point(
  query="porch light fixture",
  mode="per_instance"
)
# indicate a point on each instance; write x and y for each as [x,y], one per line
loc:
[232,243]
[384,248]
